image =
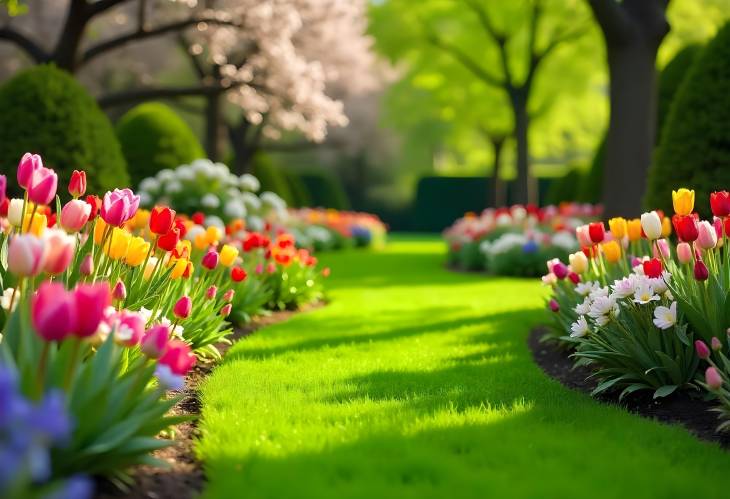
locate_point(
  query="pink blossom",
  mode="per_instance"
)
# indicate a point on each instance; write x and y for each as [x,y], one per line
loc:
[119,206]
[54,312]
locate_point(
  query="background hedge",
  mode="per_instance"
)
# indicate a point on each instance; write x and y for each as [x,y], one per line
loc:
[45,110]
[325,188]
[670,80]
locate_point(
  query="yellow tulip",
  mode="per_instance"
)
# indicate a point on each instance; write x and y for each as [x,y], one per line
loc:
[578,262]
[228,255]
[178,268]
[151,264]
[141,218]
[612,250]
[38,226]
[99,230]
[183,248]
[634,229]
[118,245]
[666,227]
[201,241]
[618,227]
[683,201]
[213,234]
[137,252]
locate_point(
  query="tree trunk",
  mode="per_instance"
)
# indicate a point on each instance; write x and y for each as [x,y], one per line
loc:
[243,153]
[65,55]
[213,126]
[499,195]
[523,192]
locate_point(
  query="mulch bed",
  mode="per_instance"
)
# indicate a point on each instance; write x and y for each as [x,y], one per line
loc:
[679,408]
[184,478]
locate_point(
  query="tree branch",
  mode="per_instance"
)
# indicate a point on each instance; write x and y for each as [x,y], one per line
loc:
[142,34]
[194,59]
[102,5]
[143,94]
[293,147]
[499,38]
[465,60]
[25,43]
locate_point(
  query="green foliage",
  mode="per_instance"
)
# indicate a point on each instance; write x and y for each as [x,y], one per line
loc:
[670,80]
[591,186]
[695,148]
[154,137]
[272,178]
[519,263]
[441,200]
[300,194]
[45,111]
[325,189]
[564,188]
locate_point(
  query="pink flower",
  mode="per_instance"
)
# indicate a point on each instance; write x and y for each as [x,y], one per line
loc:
[3,188]
[702,351]
[119,293]
[584,236]
[87,265]
[684,252]
[129,328]
[707,237]
[183,307]
[715,344]
[228,295]
[713,378]
[211,292]
[43,185]
[259,269]
[28,164]
[210,260]
[75,214]
[178,357]
[119,206]
[226,310]
[155,340]
[59,251]
[92,299]
[26,254]
[560,270]
[663,250]
[701,272]
[54,312]
[554,306]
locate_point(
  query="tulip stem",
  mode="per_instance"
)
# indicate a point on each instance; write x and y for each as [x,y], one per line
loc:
[72,365]
[42,368]
[16,289]
[97,261]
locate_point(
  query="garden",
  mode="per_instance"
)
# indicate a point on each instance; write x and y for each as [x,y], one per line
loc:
[351,248]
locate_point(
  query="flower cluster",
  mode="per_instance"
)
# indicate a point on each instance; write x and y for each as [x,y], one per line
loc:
[324,229]
[641,309]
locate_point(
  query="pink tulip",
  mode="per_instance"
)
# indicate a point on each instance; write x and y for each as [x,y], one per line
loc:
[54,312]
[713,378]
[183,307]
[119,293]
[574,278]
[554,306]
[210,260]
[228,295]
[259,269]
[119,206]
[178,357]
[87,265]
[684,253]
[560,270]
[226,310]
[707,237]
[155,340]
[43,185]
[75,214]
[663,250]
[271,268]
[92,299]
[60,249]
[26,254]
[701,272]
[715,344]
[129,328]
[28,164]
[3,187]
[702,351]
[211,292]
[584,236]
[717,224]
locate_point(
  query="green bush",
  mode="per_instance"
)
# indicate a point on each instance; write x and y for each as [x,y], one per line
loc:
[695,148]
[564,188]
[45,110]
[154,137]
[272,178]
[670,80]
[325,189]
[300,194]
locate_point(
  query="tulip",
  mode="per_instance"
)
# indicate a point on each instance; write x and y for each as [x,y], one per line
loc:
[684,252]
[161,220]
[228,255]
[661,249]
[4,206]
[119,206]
[77,184]
[700,270]
[228,295]
[119,293]
[198,218]
[666,227]
[178,268]
[612,250]
[651,224]
[634,229]
[87,265]
[26,255]
[60,249]
[574,278]
[155,340]
[578,262]
[95,203]
[178,357]
[326,272]
[116,248]
[74,215]
[54,312]
[181,226]
[683,201]
[686,227]
[27,166]
[706,235]
[702,351]
[92,301]
[15,212]
[715,344]
[211,292]
[169,241]
[43,185]
[596,231]
[583,235]
[212,235]
[618,227]
[720,203]
[35,224]
[182,249]
[3,188]
[554,305]
[200,240]
[210,260]
[652,268]
[129,328]
[717,224]
[560,270]
[713,379]
[183,307]
[259,269]
[226,310]
[271,268]
[137,251]
[189,269]
[238,274]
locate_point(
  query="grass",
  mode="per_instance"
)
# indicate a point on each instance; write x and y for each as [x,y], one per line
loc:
[417,382]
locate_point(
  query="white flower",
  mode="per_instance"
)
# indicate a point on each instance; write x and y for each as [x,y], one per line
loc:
[664,317]
[644,293]
[234,209]
[173,186]
[168,379]
[185,172]
[165,175]
[579,328]
[583,308]
[599,292]
[565,241]
[585,288]
[146,314]
[150,184]
[210,201]
[213,220]
[248,182]
[504,219]
[251,201]
[549,279]
[145,199]
[624,288]
[6,297]
[658,284]
[603,309]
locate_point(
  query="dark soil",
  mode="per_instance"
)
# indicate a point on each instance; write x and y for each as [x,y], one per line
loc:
[184,477]
[679,408]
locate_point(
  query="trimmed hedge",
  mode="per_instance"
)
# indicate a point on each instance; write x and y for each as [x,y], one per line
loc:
[45,110]
[325,189]
[272,178]
[564,188]
[154,137]
[695,148]
[670,80]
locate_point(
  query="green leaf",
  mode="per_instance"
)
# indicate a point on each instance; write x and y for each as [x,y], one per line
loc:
[664,391]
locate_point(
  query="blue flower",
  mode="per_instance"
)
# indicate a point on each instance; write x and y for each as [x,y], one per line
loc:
[530,247]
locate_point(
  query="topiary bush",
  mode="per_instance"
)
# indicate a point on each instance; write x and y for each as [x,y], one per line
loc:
[154,137]
[325,189]
[670,80]
[695,148]
[45,110]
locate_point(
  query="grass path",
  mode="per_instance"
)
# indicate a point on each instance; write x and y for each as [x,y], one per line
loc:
[417,383]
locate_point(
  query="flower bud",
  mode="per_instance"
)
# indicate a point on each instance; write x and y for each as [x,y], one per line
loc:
[226,310]
[684,253]
[183,307]
[651,225]
[87,265]
[715,344]
[713,378]
[228,296]
[700,271]
[554,305]
[211,292]
[702,351]
[120,291]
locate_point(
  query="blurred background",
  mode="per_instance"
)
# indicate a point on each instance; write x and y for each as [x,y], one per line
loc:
[417,111]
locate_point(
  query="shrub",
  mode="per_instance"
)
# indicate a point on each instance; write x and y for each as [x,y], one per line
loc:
[154,137]
[695,148]
[670,80]
[325,189]
[45,111]
[300,194]
[564,188]
[272,178]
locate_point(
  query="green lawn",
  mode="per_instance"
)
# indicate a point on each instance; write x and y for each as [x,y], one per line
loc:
[417,382]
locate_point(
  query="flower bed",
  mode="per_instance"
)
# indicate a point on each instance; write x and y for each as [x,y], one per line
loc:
[641,311]
[515,241]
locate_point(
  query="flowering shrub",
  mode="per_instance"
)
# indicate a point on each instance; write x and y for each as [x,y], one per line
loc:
[641,310]
[329,229]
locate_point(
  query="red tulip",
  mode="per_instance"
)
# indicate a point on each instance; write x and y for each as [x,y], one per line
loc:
[574,278]
[95,203]
[653,268]
[597,232]
[720,203]
[91,301]
[3,188]
[181,227]
[119,292]
[686,227]
[169,241]
[178,357]
[183,307]
[54,312]
[238,274]
[161,220]
[198,218]
[77,184]
[701,272]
